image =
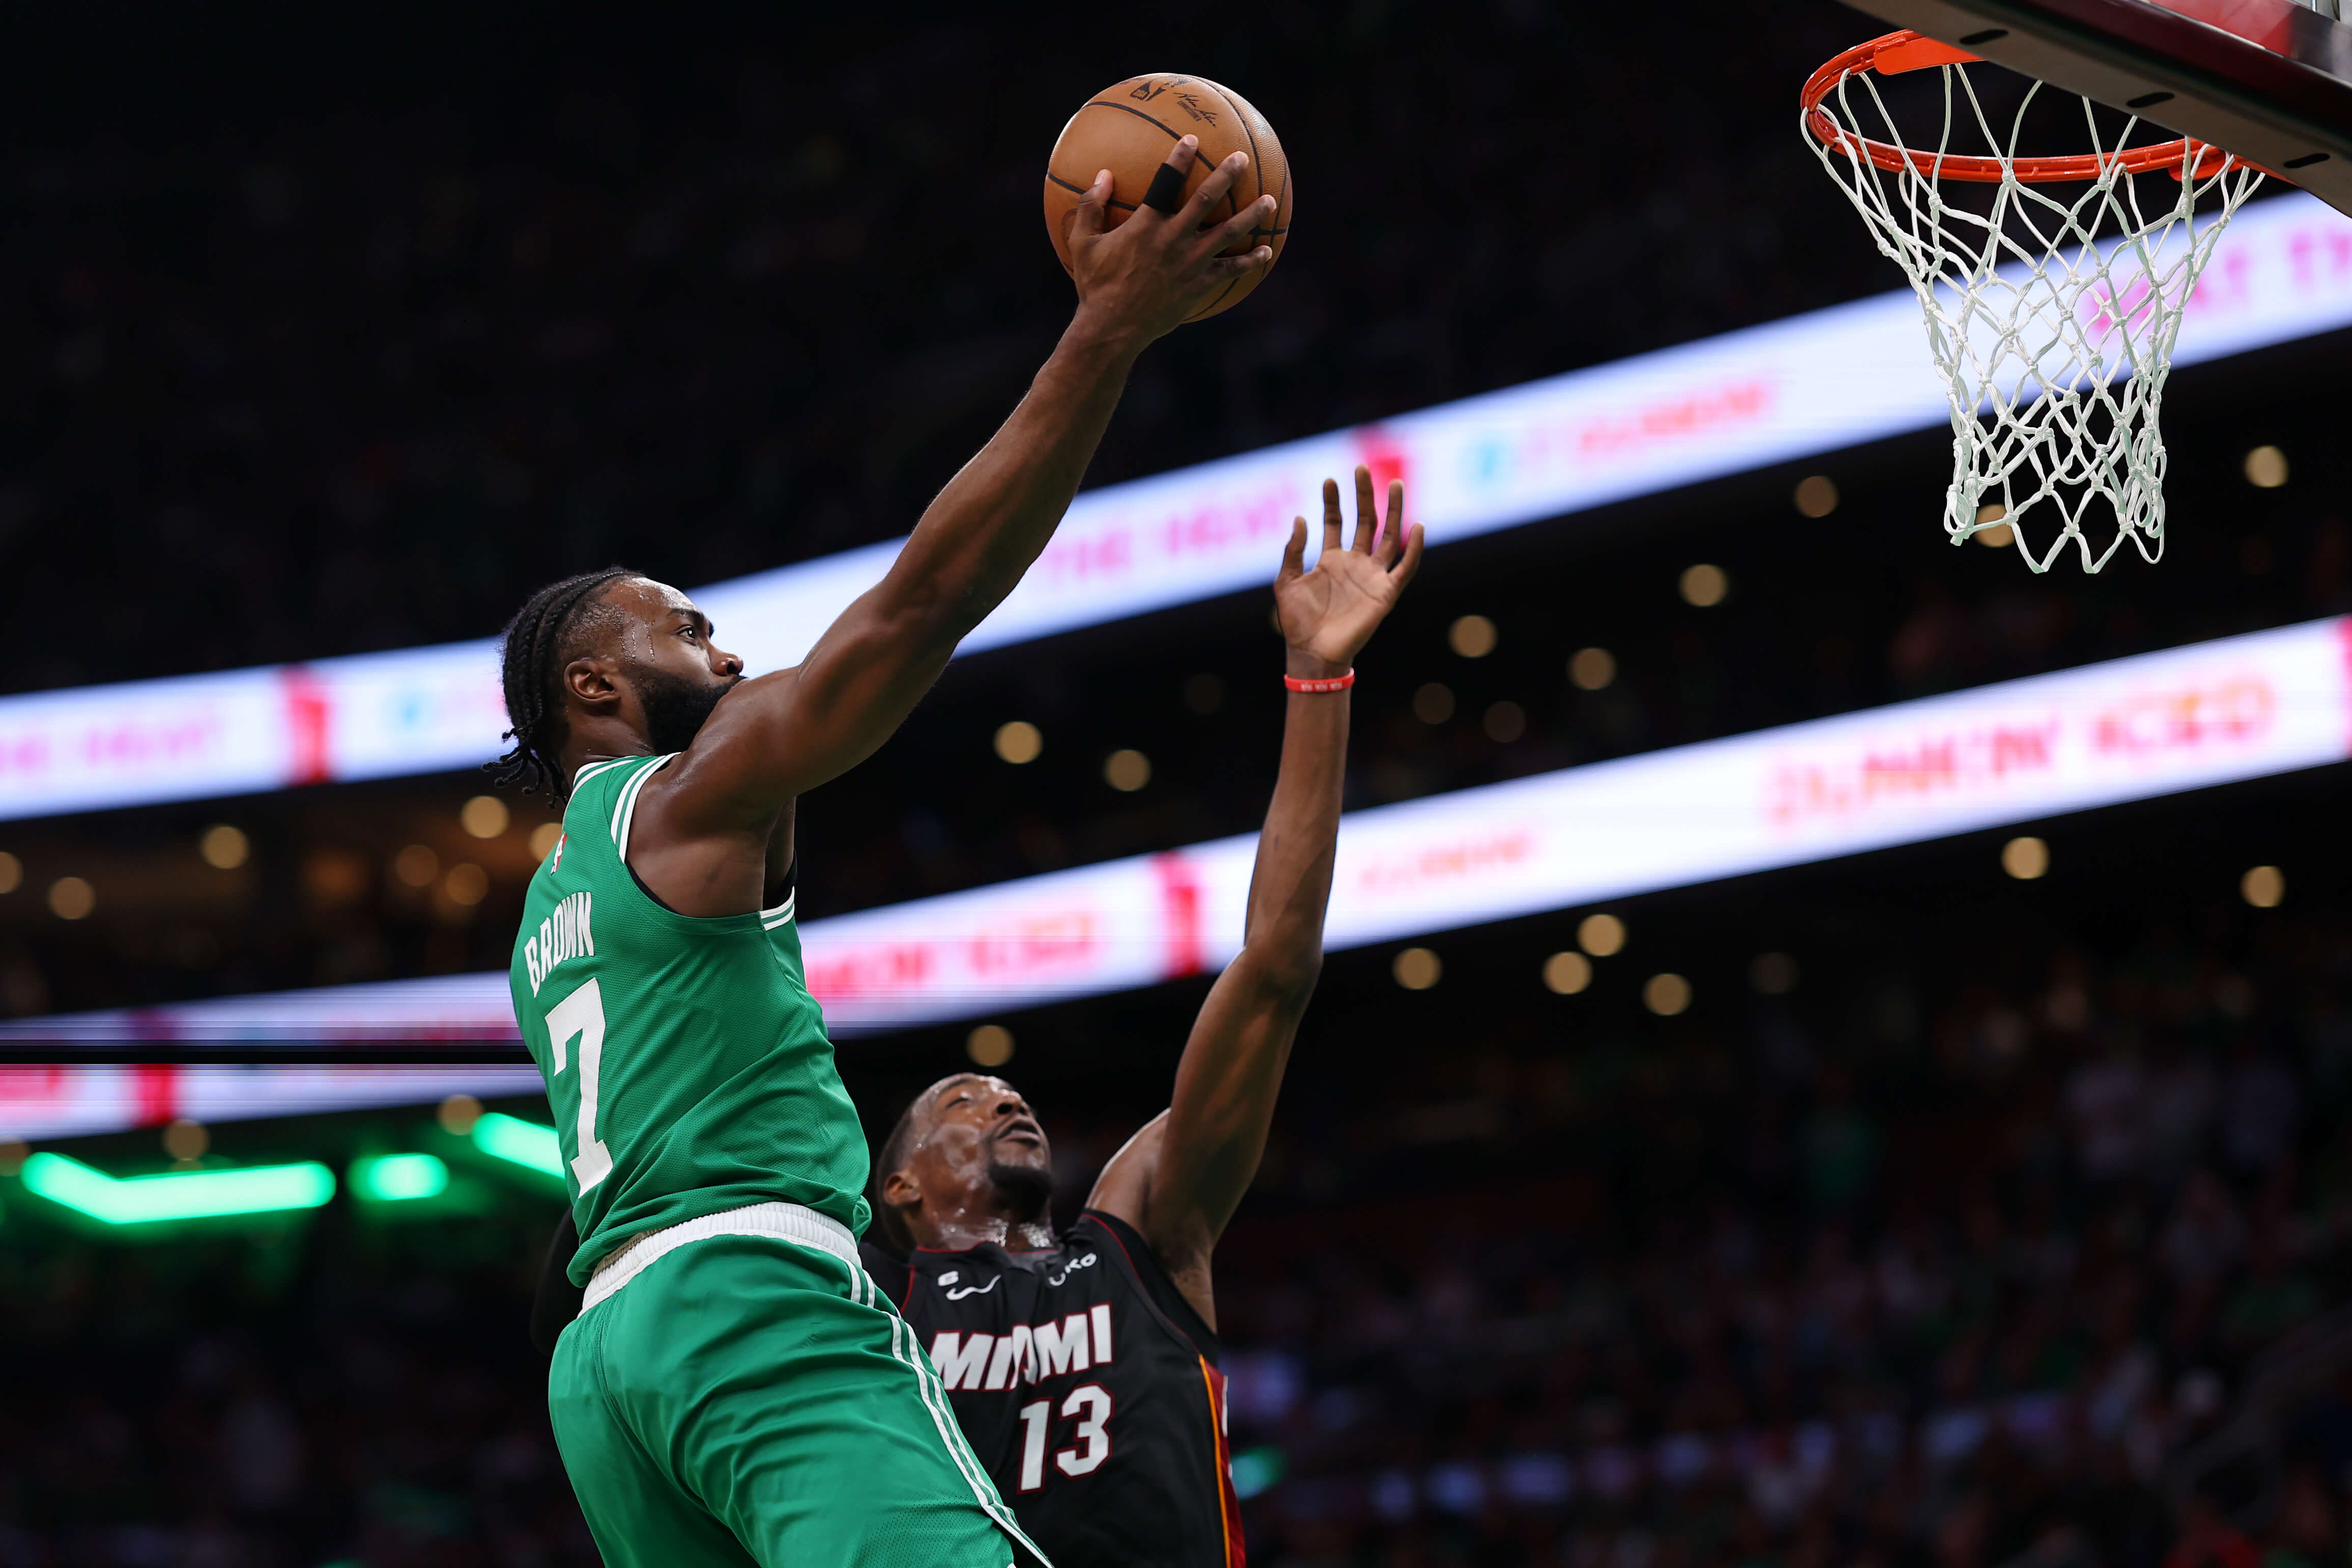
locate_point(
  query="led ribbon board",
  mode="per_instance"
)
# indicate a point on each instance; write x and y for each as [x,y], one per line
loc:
[2131,728]
[62,1101]
[1809,384]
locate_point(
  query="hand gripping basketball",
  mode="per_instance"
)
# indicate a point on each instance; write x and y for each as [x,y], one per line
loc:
[1136,282]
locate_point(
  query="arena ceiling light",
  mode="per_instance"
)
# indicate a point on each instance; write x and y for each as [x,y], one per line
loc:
[177,1196]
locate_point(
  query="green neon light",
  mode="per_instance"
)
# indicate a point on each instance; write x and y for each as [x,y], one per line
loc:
[400,1178]
[196,1194]
[530,1145]
[1255,1469]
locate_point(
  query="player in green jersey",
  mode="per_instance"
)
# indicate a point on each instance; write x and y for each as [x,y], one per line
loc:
[733,1390]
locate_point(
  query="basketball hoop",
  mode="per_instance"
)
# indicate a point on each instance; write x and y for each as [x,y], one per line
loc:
[2051,315]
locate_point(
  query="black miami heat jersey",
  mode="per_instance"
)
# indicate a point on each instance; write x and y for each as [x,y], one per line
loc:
[1090,1388]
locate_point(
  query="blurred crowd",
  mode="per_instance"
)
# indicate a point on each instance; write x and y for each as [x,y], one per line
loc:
[291,370]
[1927,1271]
[2053,1272]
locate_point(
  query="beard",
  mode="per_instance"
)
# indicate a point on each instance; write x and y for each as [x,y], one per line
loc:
[1025,1190]
[676,708]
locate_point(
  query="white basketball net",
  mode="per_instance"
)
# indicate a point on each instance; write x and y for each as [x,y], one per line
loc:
[2052,317]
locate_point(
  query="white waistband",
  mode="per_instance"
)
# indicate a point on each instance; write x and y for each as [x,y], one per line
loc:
[786,1222]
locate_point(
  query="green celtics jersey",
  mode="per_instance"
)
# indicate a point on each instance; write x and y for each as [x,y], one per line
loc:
[686,1063]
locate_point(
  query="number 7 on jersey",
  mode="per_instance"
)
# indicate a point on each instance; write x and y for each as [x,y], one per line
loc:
[581,1014]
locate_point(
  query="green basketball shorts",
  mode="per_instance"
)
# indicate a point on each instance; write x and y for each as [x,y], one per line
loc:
[737,1392]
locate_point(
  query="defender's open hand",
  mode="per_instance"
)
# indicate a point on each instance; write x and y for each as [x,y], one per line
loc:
[1328,614]
[1137,281]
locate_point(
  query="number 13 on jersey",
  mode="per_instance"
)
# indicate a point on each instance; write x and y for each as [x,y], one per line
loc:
[1091,1405]
[581,1015]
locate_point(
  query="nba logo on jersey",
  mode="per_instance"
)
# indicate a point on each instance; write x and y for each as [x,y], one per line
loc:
[555,855]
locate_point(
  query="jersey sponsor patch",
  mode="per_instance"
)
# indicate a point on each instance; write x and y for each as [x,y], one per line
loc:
[564,934]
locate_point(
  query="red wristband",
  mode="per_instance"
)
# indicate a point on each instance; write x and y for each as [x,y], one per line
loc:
[1336,683]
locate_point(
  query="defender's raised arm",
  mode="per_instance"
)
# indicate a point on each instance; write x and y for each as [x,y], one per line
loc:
[1180,1179]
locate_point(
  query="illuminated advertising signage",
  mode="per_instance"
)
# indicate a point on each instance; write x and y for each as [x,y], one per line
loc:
[1809,384]
[53,1101]
[2240,708]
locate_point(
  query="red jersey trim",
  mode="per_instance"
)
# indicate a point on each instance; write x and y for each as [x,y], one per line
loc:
[1229,1506]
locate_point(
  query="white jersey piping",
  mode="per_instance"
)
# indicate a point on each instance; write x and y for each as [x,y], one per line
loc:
[624,808]
[590,770]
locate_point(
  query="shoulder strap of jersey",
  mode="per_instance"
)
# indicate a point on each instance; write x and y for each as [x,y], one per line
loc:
[603,809]
[591,770]
[1159,1294]
[604,803]
[625,801]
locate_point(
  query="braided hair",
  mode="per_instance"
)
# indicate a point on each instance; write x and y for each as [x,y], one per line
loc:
[532,656]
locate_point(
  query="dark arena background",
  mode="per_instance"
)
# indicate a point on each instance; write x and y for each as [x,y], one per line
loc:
[1969,1187]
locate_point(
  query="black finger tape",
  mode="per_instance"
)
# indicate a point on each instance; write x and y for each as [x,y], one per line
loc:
[1167,192]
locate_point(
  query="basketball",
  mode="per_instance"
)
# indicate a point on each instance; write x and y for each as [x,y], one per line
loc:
[1129,127]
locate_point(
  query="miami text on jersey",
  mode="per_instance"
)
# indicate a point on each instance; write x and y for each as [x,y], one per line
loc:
[1029,1353]
[563,935]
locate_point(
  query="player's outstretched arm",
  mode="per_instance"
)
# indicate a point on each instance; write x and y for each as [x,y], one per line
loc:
[773,738]
[1180,1179]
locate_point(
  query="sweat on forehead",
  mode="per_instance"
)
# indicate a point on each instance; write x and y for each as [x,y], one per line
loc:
[938,1091]
[931,1100]
[619,604]
[648,600]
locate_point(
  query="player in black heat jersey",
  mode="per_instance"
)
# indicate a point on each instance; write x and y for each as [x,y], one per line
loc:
[1082,1363]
